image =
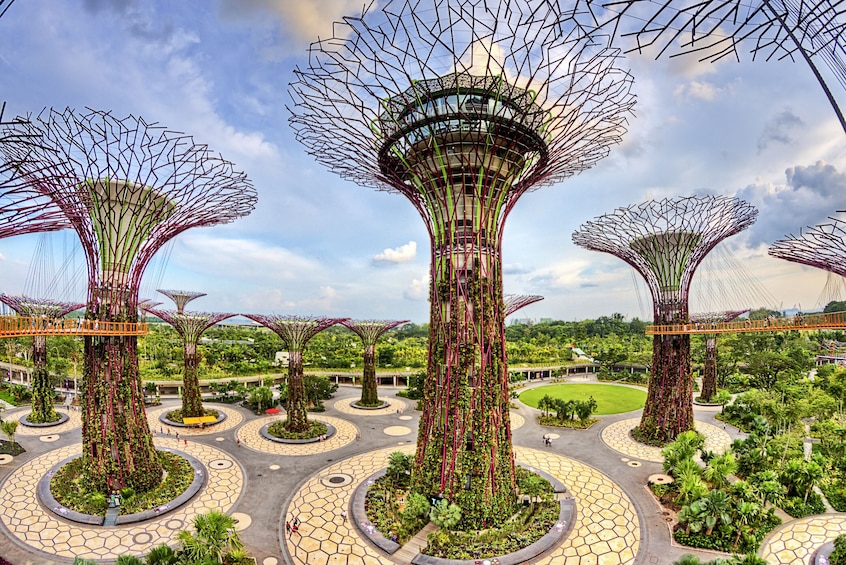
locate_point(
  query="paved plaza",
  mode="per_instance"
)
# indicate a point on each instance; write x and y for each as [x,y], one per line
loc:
[262,483]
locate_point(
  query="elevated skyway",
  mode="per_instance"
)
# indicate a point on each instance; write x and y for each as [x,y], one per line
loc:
[802,322]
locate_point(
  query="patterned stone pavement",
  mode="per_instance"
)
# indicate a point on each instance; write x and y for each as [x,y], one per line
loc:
[394,405]
[40,530]
[517,421]
[606,531]
[616,436]
[250,437]
[74,421]
[794,543]
[233,420]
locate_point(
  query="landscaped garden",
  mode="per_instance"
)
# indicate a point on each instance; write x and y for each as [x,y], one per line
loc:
[610,399]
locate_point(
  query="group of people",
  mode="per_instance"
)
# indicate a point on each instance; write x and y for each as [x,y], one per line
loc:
[293,526]
[547,441]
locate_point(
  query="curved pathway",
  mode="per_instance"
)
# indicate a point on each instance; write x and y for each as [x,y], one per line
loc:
[40,530]
[249,436]
[74,421]
[606,531]
[233,420]
[616,436]
[796,541]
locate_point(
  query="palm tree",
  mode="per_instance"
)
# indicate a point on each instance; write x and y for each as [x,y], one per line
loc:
[812,473]
[743,491]
[719,468]
[161,555]
[793,475]
[715,505]
[691,488]
[744,514]
[214,540]
[9,428]
[399,468]
[546,404]
[128,560]
[687,559]
[771,491]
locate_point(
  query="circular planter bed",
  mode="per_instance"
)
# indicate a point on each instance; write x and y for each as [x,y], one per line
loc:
[330,431]
[221,416]
[62,419]
[358,406]
[45,497]
[822,553]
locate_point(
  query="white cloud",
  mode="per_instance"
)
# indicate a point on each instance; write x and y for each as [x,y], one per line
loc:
[401,254]
[418,290]
[698,90]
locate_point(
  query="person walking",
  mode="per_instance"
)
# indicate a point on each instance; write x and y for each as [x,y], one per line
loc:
[344,515]
[288,527]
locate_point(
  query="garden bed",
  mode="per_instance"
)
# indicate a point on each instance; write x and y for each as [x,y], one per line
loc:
[278,433]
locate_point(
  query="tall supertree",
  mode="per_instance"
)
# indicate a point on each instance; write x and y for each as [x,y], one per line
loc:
[462,107]
[822,246]
[190,326]
[664,241]
[514,302]
[296,332]
[127,187]
[369,331]
[42,389]
[182,297]
[709,372]
[144,304]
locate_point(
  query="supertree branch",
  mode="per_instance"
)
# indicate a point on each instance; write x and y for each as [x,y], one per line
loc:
[42,388]
[369,331]
[514,302]
[296,332]
[5,5]
[822,246]
[190,326]
[127,187]
[182,297]
[462,107]
[664,241]
[709,371]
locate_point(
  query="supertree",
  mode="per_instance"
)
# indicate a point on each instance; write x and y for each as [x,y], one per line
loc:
[296,332]
[709,372]
[822,246]
[145,303]
[190,326]
[42,388]
[665,240]
[462,107]
[182,297]
[127,187]
[514,302]
[369,331]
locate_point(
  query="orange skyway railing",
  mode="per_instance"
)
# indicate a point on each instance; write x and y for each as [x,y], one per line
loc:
[804,322]
[21,326]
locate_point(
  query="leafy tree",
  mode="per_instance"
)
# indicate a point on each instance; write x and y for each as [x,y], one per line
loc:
[546,403]
[716,506]
[317,389]
[835,306]
[719,468]
[260,397]
[445,514]
[722,398]
[9,427]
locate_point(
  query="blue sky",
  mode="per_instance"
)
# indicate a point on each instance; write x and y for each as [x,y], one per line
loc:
[317,244]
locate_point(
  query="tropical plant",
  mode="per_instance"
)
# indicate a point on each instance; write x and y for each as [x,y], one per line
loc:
[417,505]
[161,555]
[129,560]
[445,514]
[546,403]
[399,468]
[691,488]
[214,538]
[9,427]
[719,468]
[744,515]
[716,506]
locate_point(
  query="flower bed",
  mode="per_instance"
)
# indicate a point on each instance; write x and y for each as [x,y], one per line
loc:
[315,429]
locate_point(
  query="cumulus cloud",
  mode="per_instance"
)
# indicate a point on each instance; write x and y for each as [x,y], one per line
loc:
[515,269]
[401,254]
[809,195]
[698,90]
[418,290]
[778,128]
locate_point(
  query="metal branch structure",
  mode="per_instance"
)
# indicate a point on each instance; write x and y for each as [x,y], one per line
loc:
[144,304]
[514,302]
[190,326]
[369,331]
[462,107]
[296,332]
[664,241]
[822,246]
[127,187]
[182,297]
[42,388]
[709,372]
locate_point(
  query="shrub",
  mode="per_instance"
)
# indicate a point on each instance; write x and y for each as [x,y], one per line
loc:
[838,557]
[315,429]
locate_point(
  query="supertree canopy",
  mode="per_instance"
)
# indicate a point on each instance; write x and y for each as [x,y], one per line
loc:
[514,302]
[182,297]
[42,388]
[190,326]
[461,108]
[296,332]
[709,372]
[127,187]
[822,246]
[665,240]
[370,331]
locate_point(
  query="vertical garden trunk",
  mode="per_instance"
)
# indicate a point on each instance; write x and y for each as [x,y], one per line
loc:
[669,400]
[42,389]
[369,395]
[709,372]
[297,406]
[192,402]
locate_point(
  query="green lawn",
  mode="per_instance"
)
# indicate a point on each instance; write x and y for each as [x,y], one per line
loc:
[610,399]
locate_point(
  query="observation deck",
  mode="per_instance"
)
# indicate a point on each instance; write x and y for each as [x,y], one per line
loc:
[801,322]
[26,326]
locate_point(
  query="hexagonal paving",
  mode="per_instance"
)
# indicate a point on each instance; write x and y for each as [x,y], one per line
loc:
[616,436]
[606,529]
[794,543]
[395,406]
[233,419]
[38,528]
[517,421]
[74,421]
[249,436]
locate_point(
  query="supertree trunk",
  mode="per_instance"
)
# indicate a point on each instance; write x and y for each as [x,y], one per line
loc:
[464,448]
[297,406]
[709,372]
[669,401]
[192,401]
[117,444]
[369,394]
[42,390]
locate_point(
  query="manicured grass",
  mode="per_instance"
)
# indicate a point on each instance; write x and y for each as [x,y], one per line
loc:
[610,399]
